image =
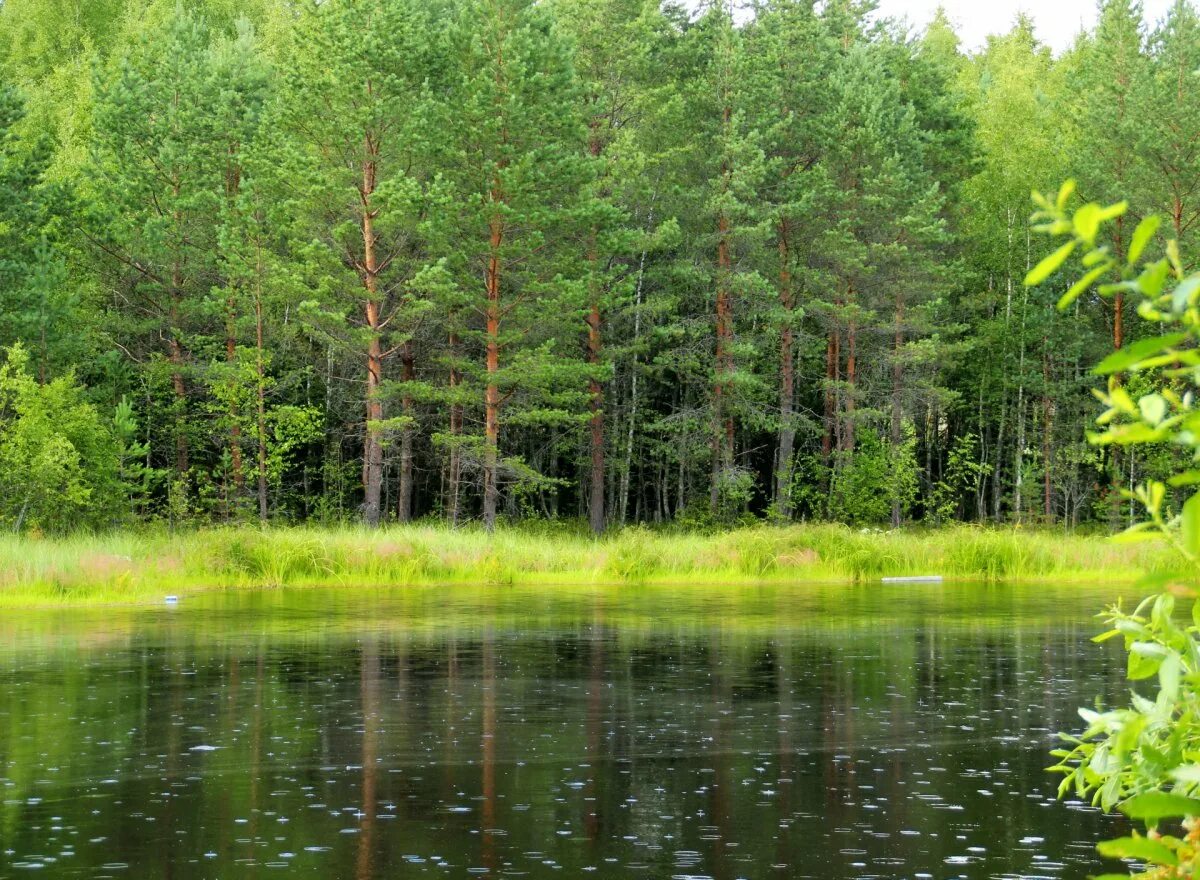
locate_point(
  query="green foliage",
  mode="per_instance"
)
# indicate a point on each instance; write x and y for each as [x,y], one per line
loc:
[1144,759]
[964,476]
[517,258]
[875,477]
[60,461]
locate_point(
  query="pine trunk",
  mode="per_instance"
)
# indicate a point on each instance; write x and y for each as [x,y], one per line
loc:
[404,506]
[233,179]
[261,426]
[851,379]
[372,439]
[491,431]
[175,353]
[722,421]
[456,426]
[787,382]
[897,427]
[832,358]
[596,423]
[596,515]
[235,427]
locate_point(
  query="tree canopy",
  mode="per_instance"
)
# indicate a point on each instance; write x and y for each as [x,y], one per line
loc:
[616,261]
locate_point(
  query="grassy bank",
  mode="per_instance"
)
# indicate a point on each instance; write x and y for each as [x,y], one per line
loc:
[144,566]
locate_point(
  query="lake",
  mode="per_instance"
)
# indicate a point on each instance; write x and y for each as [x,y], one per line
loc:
[807,731]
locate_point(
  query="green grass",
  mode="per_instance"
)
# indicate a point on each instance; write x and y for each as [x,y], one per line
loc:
[143,566]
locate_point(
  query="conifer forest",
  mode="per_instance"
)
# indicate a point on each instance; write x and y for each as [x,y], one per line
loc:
[610,261]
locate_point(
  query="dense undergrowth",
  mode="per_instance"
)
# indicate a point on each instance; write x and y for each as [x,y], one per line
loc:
[136,566]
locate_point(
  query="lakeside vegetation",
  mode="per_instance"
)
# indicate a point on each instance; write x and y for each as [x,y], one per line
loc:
[145,566]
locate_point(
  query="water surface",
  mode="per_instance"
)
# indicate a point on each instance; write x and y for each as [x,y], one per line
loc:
[826,732]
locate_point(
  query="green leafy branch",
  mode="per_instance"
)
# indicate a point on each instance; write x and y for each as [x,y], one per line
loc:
[1143,759]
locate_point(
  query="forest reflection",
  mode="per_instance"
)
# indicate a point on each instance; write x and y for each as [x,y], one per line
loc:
[823,732]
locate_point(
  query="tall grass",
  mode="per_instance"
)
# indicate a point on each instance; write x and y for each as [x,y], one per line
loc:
[133,567]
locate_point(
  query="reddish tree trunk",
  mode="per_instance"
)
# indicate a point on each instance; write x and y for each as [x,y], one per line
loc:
[491,430]
[787,380]
[456,426]
[595,389]
[233,181]
[260,370]
[722,454]
[897,427]
[596,393]
[372,441]
[832,358]
[235,428]
[851,378]
[175,353]
[408,373]
[722,420]
[177,357]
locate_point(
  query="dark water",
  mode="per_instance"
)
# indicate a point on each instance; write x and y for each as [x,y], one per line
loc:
[659,733]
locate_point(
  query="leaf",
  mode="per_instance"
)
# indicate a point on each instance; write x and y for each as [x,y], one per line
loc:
[1154,278]
[1157,493]
[1064,194]
[1187,773]
[1149,649]
[1082,285]
[1132,354]
[1168,678]
[1189,526]
[1144,660]
[1155,805]
[1141,237]
[1137,848]
[1153,408]
[1130,435]
[1049,265]
[1127,739]
[1187,478]
[1140,668]
[1173,257]
[1184,295]
[1121,399]
[1087,222]
[1112,212]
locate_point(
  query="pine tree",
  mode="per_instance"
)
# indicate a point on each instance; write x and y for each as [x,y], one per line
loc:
[611,40]
[725,166]
[521,167]
[237,64]
[1169,123]
[37,304]
[1110,79]
[358,106]
[158,177]
[791,53]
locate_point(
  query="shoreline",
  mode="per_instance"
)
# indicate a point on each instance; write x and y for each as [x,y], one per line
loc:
[124,568]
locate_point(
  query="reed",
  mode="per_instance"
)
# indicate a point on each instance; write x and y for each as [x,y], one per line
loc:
[144,566]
